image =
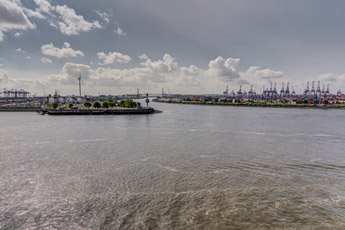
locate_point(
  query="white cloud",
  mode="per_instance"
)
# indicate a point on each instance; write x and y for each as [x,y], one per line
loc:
[143,57]
[151,74]
[17,34]
[190,71]
[12,17]
[227,70]
[65,18]
[121,77]
[331,77]
[188,81]
[46,60]
[166,65]
[34,14]
[190,76]
[156,74]
[119,31]
[44,6]
[257,73]
[72,70]
[19,50]
[65,52]
[70,73]
[19,83]
[112,57]
[103,15]
[28,57]
[72,23]
[52,24]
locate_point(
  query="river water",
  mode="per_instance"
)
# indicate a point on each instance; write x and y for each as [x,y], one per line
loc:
[190,167]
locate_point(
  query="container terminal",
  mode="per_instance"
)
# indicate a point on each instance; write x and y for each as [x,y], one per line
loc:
[314,95]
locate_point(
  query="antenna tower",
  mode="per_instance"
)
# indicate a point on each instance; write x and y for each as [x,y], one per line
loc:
[79,79]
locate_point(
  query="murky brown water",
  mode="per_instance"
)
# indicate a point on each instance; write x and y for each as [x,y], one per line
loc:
[191,167]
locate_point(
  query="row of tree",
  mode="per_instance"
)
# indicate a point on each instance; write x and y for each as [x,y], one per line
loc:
[110,104]
[105,104]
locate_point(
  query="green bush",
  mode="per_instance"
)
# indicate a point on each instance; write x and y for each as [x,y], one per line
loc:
[96,104]
[55,105]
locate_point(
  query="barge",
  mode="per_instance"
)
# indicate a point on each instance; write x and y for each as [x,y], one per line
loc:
[19,108]
[98,111]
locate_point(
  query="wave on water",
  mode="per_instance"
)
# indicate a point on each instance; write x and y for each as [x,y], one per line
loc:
[207,156]
[42,142]
[91,140]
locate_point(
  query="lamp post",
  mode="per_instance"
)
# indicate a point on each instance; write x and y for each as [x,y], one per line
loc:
[147,100]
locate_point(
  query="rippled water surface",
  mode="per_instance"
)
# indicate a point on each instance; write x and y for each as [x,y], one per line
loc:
[190,167]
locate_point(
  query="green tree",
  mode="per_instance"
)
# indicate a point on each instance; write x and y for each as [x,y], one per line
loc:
[122,103]
[130,104]
[105,104]
[70,105]
[96,104]
[55,105]
[111,104]
[87,104]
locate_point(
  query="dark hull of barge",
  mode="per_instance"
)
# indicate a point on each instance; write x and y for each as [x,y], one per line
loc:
[99,112]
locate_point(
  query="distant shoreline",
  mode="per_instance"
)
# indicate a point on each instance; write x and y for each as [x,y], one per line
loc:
[250,104]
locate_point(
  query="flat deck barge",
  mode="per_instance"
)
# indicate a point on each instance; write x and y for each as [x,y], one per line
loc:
[98,111]
[19,108]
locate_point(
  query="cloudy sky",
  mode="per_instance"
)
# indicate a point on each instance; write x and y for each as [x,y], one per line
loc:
[183,46]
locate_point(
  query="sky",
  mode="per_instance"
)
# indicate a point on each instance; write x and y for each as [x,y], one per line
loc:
[183,46]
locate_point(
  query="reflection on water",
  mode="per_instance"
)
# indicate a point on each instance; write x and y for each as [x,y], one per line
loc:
[190,167]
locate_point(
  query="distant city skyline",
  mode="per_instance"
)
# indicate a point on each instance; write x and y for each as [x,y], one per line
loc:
[190,46]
